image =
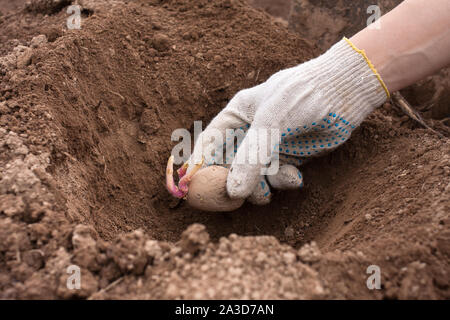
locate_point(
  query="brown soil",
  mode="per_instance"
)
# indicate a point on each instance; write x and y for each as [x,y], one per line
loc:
[85,123]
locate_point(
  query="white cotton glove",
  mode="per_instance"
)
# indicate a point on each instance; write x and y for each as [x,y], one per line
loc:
[315,106]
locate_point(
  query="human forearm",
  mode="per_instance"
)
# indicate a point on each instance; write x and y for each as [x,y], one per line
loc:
[412,42]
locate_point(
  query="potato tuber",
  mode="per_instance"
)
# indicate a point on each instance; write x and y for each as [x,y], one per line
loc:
[207,191]
[204,189]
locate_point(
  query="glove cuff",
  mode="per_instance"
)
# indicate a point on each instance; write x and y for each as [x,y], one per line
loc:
[371,66]
[350,83]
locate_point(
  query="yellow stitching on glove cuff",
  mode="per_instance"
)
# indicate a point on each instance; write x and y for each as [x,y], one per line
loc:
[371,66]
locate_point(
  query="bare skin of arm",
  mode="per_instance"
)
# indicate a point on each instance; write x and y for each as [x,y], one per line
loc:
[413,42]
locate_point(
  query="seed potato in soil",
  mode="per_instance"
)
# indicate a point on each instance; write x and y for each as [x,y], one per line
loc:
[86,118]
[207,191]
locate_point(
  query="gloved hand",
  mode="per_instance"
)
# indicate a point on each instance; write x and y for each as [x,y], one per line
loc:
[315,106]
